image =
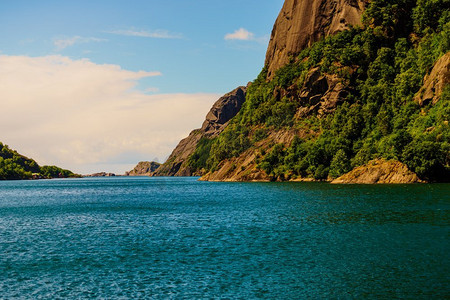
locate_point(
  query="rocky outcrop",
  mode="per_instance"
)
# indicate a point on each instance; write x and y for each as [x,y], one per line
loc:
[320,93]
[435,82]
[303,22]
[379,171]
[144,168]
[215,122]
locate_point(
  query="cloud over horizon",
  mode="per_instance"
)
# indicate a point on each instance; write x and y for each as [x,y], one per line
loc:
[89,117]
[157,34]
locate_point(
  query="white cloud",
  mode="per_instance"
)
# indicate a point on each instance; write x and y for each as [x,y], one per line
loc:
[63,43]
[240,34]
[89,117]
[243,34]
[158,34]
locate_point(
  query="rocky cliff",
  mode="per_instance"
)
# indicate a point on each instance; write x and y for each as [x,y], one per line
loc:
[223,110]
[144,168]
[303,22]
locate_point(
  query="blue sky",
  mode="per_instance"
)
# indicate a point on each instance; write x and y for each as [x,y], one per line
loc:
[193,57]
[100,85]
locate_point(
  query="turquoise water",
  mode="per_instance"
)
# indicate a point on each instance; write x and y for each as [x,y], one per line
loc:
[180,238]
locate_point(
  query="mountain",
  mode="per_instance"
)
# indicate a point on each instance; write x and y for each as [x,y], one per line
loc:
[223,110]
[345,83]
[14,166]
[144,168]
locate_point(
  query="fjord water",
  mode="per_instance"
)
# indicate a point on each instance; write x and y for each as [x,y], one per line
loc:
[181,238]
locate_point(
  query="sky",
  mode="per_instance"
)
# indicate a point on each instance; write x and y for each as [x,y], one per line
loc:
[96,85]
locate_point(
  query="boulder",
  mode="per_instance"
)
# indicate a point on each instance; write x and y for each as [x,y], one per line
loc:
[379,171]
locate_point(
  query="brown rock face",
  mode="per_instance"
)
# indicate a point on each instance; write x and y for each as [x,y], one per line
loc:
[379,171]
[216,120]
[435,82]
[144,168]
[303,22]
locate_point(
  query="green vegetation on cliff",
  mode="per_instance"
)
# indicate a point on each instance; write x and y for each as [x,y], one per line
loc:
[14,166]
[381,68]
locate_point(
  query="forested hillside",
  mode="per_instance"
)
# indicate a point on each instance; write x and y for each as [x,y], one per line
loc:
[14,166]
[375,91]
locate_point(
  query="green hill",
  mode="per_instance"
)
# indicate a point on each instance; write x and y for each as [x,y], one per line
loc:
[14,166]
[376,91]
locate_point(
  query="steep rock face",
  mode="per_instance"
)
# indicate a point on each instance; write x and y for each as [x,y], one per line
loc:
[144,168]
[435,82]
[303,22]
[379,171]
[216,120]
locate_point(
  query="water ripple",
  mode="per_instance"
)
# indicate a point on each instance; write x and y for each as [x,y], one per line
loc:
[178,238]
